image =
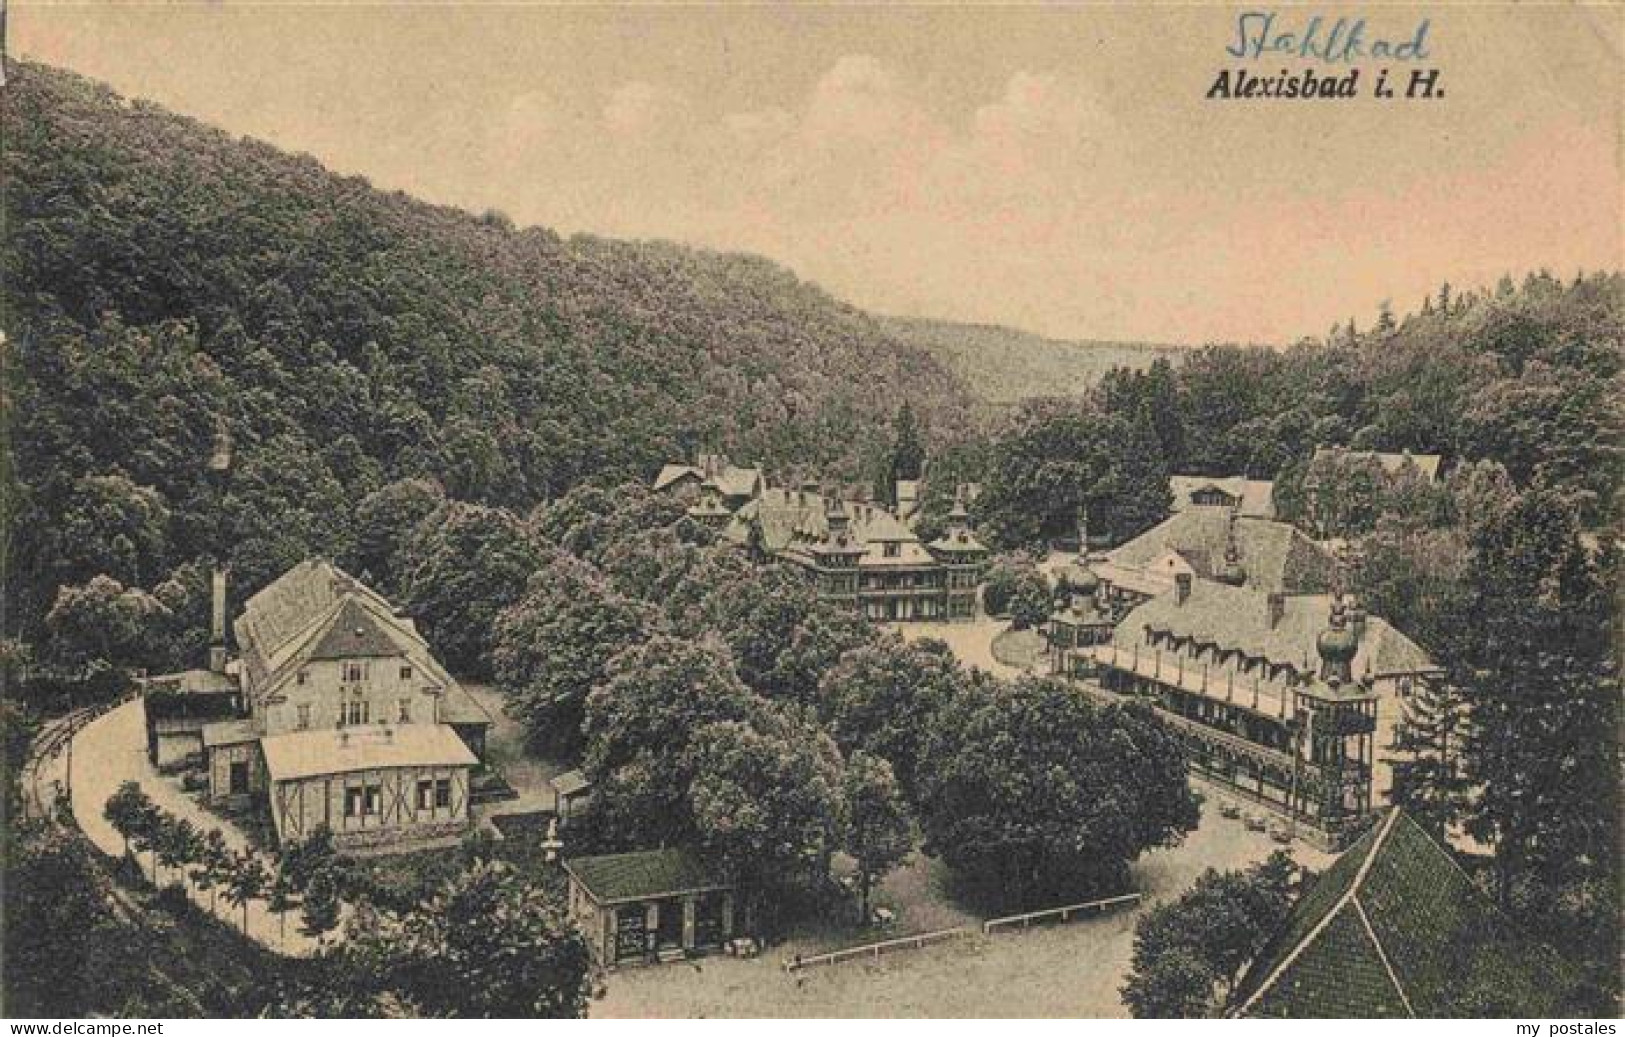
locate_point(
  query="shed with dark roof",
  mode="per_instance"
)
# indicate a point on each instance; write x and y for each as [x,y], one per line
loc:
[650,905]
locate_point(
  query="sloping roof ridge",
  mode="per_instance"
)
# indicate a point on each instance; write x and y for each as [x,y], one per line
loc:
[1444,851]
[306,639]
[1382,954]
[1326,919]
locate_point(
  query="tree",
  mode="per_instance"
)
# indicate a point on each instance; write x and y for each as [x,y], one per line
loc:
[1030,603]
[320,906]
[1031,791]
[207,870]
[125,810]
[882,699]
[1536,658]
[640,727]
[877,831]
[178,844]
[247,881]
[112,526]
[463,566]
[302,859]
[65,954]
[1429,778]
[103,622]
[766,802]
[146,831]
[908,454]
[553,646]
[1189,955]
[1004,578]
[386,520]
[488,945]
[280,900]
[1132,494]
[783,638]
[592,521]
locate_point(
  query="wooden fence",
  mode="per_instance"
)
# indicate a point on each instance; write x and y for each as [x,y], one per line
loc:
[875,950]
[992,925]
[1062,913]
[53,739]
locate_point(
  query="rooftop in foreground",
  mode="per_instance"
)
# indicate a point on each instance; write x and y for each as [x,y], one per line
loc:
[643,875]
[306,754]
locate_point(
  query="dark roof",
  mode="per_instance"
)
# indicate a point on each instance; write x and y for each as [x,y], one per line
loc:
[1256,496]
[313,611]
[1396,928]
[1277,556]
[459,706]
[642,875]
[784,514]
[1239,618]
[354,634]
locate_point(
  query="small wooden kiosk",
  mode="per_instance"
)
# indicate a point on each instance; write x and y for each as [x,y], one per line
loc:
[650,905]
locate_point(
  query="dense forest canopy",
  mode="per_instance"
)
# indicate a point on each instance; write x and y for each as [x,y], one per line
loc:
[1525,376]
[164,280]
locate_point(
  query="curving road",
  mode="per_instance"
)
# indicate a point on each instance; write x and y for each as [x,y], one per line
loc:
[111,750]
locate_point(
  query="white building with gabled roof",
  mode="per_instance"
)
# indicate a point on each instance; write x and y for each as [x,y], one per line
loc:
[350,720]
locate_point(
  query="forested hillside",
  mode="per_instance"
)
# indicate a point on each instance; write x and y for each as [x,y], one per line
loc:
[164,280]
[1526,376]
[1004,365]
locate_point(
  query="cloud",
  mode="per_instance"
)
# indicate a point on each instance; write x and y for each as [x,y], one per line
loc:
[1042,108]
[639,109]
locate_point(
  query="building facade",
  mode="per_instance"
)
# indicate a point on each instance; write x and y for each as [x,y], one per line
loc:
[1281,699]
[863,556]
[650,906]
[348,719]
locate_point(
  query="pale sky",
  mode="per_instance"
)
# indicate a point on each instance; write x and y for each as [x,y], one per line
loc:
[1055,168]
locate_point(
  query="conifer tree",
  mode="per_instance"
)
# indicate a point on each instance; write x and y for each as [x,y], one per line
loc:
[1430,781]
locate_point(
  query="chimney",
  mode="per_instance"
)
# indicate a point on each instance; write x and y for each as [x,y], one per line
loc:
[217,622]
[1277,608]
[1182,587]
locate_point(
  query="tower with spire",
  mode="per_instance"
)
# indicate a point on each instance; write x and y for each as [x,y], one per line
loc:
[1333,729]
[835,555]
[963,559]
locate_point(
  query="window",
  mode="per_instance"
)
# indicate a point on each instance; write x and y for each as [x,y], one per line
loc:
[304,678]
[442,792]
[425,795]
[406,673]
[405,711]
[355,671]
[239,777]
[352,802]
[304,716]
[356,711]
[372,800]
[891,550]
